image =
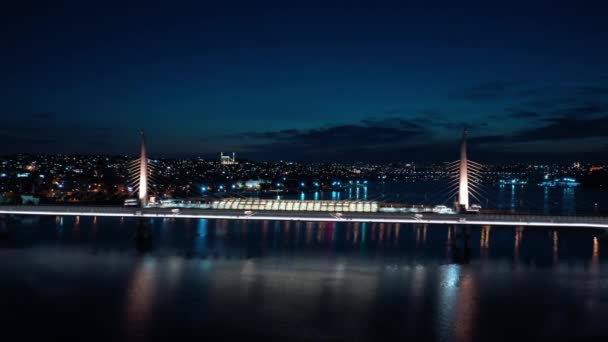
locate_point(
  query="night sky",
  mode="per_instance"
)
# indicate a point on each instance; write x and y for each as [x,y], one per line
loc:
[315,82]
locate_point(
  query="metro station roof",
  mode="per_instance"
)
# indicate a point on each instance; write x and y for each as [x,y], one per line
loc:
[295,205]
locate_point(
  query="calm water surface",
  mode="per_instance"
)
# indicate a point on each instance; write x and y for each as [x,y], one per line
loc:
[529,198]
[93,279]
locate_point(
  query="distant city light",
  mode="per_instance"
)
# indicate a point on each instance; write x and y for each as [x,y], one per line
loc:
[513,181]
[565,182]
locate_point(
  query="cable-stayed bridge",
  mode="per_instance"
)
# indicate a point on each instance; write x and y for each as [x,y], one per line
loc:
[375,217]
[464,183]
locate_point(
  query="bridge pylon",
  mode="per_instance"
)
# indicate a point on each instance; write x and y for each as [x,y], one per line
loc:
[463,188]
[143,173]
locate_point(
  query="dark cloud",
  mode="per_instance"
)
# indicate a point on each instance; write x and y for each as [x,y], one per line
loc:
[593,91]
[433,120]
[489,91]
[541,98]
[581,110]
[395,112]
[25,141]
[370,139]
[566,128]
[104,144]
[550,102]
[459,126]
[371,131]
[534,92]
[487,139]
[431,113]
[553,129]
[338,141]
[391,123]
[286,133]
[522,114]
[38,133]
[563,94]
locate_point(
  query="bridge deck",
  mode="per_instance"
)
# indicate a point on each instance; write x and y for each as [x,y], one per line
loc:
[479,219]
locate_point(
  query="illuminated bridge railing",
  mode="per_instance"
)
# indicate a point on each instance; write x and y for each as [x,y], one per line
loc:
[515,218]
[296,205]
[359,216]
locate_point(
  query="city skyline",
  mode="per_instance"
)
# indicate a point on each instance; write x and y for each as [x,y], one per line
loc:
[389,82]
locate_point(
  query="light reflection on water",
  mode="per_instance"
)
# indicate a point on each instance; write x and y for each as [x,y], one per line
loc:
[529,198]
[307,280]
[140,297]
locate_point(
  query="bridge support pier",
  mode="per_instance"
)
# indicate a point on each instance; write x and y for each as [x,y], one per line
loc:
[461,244]
[4,226]
[143,237]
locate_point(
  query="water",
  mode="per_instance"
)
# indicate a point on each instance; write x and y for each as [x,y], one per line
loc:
[92,279]
[529,198]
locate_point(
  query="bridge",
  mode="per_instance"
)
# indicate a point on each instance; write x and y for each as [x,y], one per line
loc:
[322,211]
[372,217]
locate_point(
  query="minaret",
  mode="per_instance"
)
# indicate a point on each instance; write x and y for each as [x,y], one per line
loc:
[143,173]
[463,191]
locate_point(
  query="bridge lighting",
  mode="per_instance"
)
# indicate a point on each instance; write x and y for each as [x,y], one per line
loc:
[143,172]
